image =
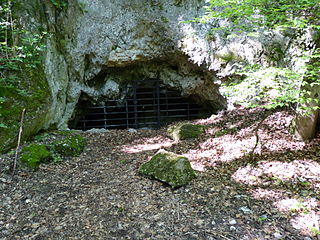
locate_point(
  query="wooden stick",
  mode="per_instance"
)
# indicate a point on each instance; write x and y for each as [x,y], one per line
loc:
[18,144]
[251,156]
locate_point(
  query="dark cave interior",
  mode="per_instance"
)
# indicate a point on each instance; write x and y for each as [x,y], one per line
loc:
[147,104]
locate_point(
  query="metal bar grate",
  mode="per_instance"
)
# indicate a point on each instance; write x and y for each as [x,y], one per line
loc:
[149,106]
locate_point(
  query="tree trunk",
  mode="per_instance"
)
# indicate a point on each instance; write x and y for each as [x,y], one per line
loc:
[305,124]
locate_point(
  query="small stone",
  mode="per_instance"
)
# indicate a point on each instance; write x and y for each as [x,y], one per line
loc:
[246,210]
[58,228]
[35,225]
[213,222]
[3,180]
[97,130]
[132,130]
[28,201]
[233,228]
[232,222]
[277,235]
[238,196]
[199,222]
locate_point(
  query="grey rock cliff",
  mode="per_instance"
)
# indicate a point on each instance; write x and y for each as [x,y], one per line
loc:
[97,46]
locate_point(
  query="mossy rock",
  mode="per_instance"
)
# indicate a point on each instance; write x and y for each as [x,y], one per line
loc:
[34,154]
[184,131]
[71,146]
[168,167]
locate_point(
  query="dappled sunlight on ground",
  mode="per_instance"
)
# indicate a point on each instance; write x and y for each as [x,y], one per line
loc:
[277,145]
[282,171]
[148,144]
[223,149]
[291,187]
[261,193]
[293,204]
[304,172]
[307,223]
[232,136]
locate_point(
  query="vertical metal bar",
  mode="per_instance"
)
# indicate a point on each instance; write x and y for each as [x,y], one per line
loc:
[135,102]
[127,113]
[188,107]
[167,107]
[158,102]
[105,116]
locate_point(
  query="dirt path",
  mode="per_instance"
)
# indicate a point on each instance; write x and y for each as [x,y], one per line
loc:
[100,196]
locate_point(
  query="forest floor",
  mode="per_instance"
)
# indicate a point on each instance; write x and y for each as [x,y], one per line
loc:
[99,195]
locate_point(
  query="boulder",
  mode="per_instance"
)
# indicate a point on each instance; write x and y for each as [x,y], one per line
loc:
[184,131]
[168,167]
[70,146]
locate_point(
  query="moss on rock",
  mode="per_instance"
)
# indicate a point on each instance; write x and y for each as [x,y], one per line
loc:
[34,154]
[184,131]
[168,167]
[32,93]
[71,146]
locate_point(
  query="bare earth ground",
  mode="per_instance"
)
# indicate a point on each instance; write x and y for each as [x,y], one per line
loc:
[99,195]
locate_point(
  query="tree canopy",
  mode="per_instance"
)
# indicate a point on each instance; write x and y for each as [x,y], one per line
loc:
[254,14]
[250,16]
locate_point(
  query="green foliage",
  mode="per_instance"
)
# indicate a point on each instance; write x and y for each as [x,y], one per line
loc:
[250,15]
[20,53]
[82,7]
[271,87]
[177,3]
[262,218]
[42,137]
[60,4]
[228,57]
[34,154]
[164,19]
[315,231]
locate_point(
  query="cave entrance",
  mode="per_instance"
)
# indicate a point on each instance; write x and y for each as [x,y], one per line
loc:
[146,105]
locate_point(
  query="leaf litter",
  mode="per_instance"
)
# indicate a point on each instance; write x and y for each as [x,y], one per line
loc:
[99,195]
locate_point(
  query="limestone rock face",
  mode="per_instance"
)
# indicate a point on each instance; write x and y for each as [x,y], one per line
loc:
[170,168]
[95,48]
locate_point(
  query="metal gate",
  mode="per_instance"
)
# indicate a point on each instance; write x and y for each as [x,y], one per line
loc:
[147,106]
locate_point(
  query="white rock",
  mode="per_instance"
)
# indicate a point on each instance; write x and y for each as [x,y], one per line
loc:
[132,130]
[232,222]
[246,210]
[277,235]
[233,228]
[97,130]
